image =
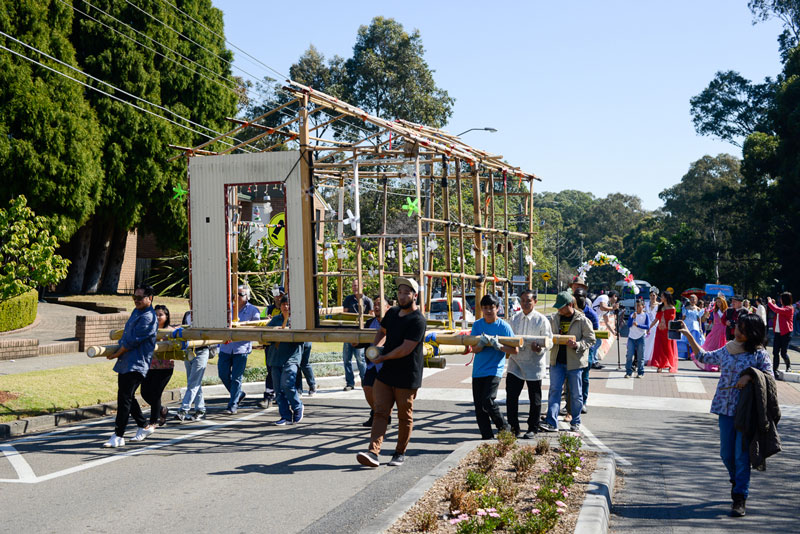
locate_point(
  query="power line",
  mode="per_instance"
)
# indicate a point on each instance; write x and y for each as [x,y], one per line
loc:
[101,91]
[152,40]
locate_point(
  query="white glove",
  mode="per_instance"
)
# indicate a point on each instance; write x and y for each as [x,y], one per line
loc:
[483,341]
[494,342]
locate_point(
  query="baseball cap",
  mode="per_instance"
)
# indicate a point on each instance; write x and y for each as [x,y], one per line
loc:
[562,299]
[410,282]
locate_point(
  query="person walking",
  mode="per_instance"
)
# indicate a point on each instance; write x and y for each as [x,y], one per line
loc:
[284,359]
[361,304]
[158,376]
[133,362]
[381,307]
[784,315]
[195,363]
[403,329]
[665,351]
[716,338]
[305,370]
[693,318]
[581,303]
[638,325]
[233,356]
[734,359]
[488,366]
[529,365]
[651,308]
[568,360]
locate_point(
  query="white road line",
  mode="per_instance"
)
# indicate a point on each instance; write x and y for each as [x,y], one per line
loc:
[24,471]
[617,380]
[31,478]
[467,380]
[689,384]
[602,446]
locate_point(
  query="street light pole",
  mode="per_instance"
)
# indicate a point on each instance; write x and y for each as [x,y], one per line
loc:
[487,129]
[558,257]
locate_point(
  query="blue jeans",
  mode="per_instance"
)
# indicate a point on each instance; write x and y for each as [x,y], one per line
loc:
[195,370]
[305,370]
[735,458]
[283,379]
[347,353]
[559,373]
[231,369]
[635,346]
[593,352]
[585,383]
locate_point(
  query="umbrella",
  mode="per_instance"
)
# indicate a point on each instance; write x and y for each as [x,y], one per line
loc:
[694,291]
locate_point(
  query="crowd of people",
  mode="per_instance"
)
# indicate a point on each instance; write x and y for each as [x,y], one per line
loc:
[729,338]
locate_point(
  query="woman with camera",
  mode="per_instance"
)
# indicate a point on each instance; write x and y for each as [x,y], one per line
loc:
[734,359]
[665,350]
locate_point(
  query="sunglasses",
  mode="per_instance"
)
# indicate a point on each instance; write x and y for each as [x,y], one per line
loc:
[242,294]
[138,298]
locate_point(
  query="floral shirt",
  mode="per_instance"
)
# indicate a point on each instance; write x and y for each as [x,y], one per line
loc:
[730,367]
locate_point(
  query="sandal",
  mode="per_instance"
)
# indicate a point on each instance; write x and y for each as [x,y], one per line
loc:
[162,416]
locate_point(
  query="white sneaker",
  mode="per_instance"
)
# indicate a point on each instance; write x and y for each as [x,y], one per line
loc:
[142,433]
[114,442]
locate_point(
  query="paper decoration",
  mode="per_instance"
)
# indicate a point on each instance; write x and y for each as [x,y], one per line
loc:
[256,213]
[180,192]
[432,244]
[342,253]
[391,253]
[328,251]
[529,260]
[411,206]
[352,220]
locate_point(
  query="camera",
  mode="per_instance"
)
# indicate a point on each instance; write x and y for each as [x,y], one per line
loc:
[674,329]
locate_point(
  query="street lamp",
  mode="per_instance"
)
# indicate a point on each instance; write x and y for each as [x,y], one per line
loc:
[487,129]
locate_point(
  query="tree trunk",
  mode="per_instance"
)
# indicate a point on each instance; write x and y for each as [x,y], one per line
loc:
[101,241]
[81,244]
[116,256]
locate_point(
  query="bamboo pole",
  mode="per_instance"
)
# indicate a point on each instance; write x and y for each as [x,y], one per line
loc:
[359,278]
[476,200]
[382,246]
[492,235]
[420,247]
[447,263]
[530,235]
[162,347]
[461,244]
[506,287]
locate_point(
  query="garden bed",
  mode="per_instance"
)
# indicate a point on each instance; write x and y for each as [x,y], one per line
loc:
[507,486]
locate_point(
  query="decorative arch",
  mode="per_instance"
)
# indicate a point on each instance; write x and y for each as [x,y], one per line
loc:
[600,259]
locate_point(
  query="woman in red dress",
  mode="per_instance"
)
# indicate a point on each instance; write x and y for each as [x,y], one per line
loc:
[665,351]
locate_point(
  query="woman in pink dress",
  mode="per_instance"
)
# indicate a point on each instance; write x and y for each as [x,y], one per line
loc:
[716,338]
[665,350]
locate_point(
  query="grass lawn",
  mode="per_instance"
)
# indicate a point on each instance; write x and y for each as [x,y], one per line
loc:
[55,390]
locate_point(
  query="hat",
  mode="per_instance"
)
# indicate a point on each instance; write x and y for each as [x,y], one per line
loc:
[737,297]
[579,281]
[562,299]
[410,282]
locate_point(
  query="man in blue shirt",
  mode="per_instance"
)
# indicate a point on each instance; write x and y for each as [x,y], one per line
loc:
[488,366]
[233,355]
[133,360]
[283,359]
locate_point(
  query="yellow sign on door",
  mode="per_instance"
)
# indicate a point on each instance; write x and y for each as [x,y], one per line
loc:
[277,230]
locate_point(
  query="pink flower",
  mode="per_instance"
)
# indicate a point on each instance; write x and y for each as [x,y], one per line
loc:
[545,470]
[561,510]
[491,509]
[455,521]
[566,454]
[535,511]
[481,512]
[456,512]
[553,490]
[578,469]
[536,487]
[463,517]
[561,503]
[494,514]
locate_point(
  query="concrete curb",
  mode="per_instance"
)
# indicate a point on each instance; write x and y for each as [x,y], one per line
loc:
[394,512]
[596,508]
[41,423]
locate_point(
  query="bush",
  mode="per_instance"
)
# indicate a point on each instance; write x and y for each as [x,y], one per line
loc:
[476,480]
[542,446]
[18,311]
[523,461]
[487,455]
[426,521]
[505,442]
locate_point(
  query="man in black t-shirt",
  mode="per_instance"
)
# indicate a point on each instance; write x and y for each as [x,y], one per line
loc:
[403,326]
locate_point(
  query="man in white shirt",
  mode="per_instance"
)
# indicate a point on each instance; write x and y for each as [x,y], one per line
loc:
[638,325]
[529,365]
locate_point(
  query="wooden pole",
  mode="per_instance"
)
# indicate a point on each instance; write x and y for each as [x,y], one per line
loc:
[461,243]
[382,244]
[446,214]
[420,246]
[530,235]
[359,277]
[506,287]
[479,270]
[492,236]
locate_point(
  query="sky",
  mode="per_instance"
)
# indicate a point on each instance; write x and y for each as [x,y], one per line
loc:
[587,95]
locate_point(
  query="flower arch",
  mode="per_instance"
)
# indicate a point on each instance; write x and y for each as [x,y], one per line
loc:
[600,259]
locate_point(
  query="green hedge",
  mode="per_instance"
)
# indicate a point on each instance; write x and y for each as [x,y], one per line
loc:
[18,311]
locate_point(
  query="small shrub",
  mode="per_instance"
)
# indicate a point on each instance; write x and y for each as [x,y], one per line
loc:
[505,442]
[506,489]
[487,456]
[456,495]
[523,461]
[540,520]
[476,480]
[426,521]
[569,442]
[542,446]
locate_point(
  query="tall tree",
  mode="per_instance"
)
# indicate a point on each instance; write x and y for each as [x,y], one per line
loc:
[49,136]
[157,54]
[788,12]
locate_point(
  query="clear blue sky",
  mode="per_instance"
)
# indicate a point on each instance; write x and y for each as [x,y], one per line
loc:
[588,95]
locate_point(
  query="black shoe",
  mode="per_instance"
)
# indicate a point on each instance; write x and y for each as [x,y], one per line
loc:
[368,422]
[517,432]
[397,459]
[597,365]
[530,434]
[265,403]
[583,409]
[241,398]
[199,415]
[348,388]
[738,508]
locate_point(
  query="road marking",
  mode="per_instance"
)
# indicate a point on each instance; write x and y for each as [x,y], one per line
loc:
[30,478]
[689,384]
[641,402]
[602,446]
[24,471]
[467,380]
[617,380]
